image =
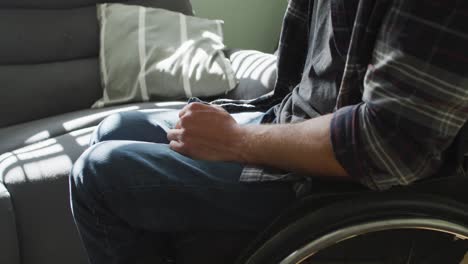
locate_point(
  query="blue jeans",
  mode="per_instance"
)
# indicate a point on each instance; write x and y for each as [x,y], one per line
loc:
[135,200]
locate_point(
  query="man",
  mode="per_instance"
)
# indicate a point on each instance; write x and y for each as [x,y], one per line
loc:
[372,91]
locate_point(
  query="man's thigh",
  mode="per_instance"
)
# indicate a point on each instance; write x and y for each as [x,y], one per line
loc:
[150,125]
[157,189]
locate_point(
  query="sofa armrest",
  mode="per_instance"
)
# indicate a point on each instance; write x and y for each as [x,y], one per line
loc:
[9,238]
[256,72]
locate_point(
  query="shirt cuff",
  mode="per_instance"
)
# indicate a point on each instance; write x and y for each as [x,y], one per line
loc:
[347,145]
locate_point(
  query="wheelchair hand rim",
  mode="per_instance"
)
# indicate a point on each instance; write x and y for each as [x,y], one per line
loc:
[323,242]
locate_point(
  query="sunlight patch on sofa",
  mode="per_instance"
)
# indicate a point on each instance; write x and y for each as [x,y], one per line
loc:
[6,161]
[39,153]
[83,140]
[81,132]
[47,168]
[82,121]
[36,146]
[38,137]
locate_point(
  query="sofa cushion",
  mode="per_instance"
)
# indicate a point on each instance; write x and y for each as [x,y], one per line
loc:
[36,176]
[256,72]
[154,54]
[48,56]
[8,239]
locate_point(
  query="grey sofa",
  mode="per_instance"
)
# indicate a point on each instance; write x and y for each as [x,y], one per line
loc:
[48,81]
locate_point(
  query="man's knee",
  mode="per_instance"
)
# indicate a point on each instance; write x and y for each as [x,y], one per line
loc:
[114,165]
[92,171]
[113,126]
[83,173]
[132,125]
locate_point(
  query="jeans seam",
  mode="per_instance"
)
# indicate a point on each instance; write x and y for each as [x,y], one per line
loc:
[104,227]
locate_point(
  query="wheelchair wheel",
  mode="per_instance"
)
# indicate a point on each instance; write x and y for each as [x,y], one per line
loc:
[342,221]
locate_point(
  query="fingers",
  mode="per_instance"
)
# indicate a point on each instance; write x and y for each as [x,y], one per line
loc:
[197,107]
[183,135]
[192,107]
[183,111]
[180,146]
[174,134]
[195,114]
[177,146]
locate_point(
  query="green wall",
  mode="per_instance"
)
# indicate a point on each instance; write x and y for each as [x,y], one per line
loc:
[248,24]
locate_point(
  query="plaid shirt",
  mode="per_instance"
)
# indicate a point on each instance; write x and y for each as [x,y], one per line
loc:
[404,93]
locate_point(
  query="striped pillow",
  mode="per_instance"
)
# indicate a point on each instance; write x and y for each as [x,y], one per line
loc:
[155,54]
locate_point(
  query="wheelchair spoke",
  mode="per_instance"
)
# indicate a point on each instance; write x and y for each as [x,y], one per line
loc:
[410,253]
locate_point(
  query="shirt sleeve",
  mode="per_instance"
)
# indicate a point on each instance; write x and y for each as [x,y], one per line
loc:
[415,96]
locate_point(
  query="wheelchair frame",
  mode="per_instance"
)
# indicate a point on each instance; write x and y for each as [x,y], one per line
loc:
[438,205]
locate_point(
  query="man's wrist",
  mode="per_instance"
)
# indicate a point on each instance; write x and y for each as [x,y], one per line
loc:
[245,143]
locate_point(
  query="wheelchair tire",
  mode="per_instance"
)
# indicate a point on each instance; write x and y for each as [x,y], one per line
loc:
[330,223]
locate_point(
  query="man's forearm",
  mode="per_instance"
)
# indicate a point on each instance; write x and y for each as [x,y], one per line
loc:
[303,147]
[210,133]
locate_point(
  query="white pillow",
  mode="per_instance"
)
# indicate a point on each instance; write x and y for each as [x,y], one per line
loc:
[156,54]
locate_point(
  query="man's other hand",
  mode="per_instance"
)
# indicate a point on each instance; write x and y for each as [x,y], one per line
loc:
[207,132]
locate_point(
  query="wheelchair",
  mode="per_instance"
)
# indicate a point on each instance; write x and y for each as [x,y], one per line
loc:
[326,221]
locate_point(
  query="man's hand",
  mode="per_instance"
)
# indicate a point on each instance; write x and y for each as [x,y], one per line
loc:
[207,132]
